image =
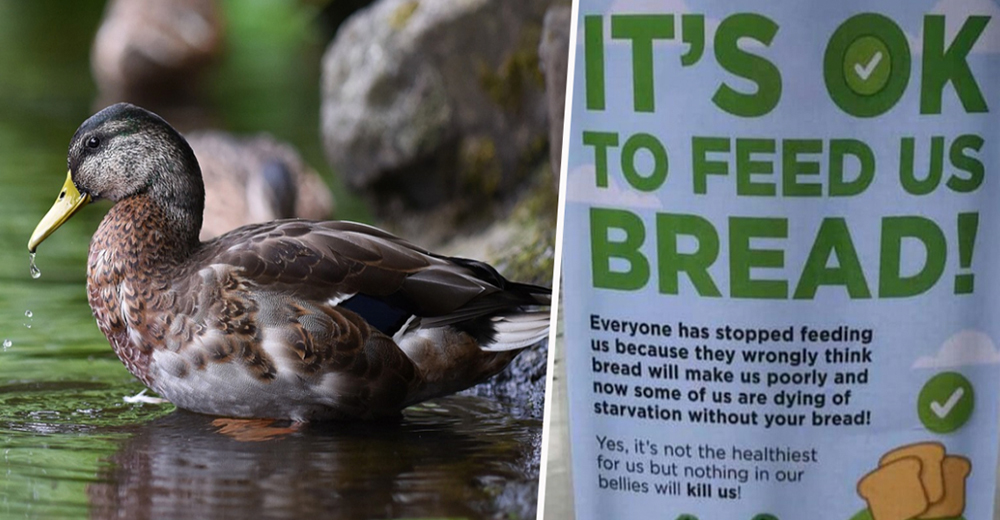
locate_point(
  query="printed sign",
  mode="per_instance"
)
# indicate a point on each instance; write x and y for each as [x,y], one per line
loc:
[781,259]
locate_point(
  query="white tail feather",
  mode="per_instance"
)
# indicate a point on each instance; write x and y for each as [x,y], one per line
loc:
[516,331]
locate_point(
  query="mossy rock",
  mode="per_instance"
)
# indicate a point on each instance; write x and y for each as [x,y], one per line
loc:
[402,14]
[507,84]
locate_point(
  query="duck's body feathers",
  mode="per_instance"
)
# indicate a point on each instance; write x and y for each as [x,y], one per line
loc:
[342,319]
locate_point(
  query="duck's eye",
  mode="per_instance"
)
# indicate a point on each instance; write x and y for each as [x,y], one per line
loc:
[93,142]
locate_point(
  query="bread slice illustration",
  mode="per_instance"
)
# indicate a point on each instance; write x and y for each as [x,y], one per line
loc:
[931,454]
[894,491]
[955,470]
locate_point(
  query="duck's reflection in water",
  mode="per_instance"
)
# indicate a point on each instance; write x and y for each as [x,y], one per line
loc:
[461,457]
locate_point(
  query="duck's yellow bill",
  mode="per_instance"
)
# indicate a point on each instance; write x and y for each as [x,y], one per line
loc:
[70,201]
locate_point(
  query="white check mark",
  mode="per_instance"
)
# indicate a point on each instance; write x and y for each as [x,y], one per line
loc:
[865,72]
[941,410]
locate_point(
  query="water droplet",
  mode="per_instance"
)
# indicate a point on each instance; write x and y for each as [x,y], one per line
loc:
[35,272]
[7,344]
[27,325]
[28,314]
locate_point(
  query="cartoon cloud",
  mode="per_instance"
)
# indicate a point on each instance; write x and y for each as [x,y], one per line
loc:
[966,348]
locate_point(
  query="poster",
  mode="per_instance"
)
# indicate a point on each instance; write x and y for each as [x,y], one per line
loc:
[780,257]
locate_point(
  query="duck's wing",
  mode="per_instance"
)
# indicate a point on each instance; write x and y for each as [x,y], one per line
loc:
[386,280]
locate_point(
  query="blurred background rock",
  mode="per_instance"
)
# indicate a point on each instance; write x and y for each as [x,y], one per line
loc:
[436,111]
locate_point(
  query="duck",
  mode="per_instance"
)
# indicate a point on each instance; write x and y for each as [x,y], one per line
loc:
[153,50]
[291,319]
[275,181]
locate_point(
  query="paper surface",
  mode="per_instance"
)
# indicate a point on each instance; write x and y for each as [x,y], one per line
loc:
[780,259]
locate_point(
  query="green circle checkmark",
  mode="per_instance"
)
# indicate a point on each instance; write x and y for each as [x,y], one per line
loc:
[945,402]
[867,65]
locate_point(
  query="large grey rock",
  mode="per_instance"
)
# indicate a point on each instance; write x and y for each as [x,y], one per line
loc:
[426,101]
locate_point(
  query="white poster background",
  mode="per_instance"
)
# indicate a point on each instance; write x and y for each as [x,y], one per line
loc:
[641,452]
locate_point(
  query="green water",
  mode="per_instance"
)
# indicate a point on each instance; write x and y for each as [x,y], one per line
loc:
[70,447]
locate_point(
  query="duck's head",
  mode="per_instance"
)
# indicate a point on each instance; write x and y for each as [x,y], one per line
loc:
[121,152]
